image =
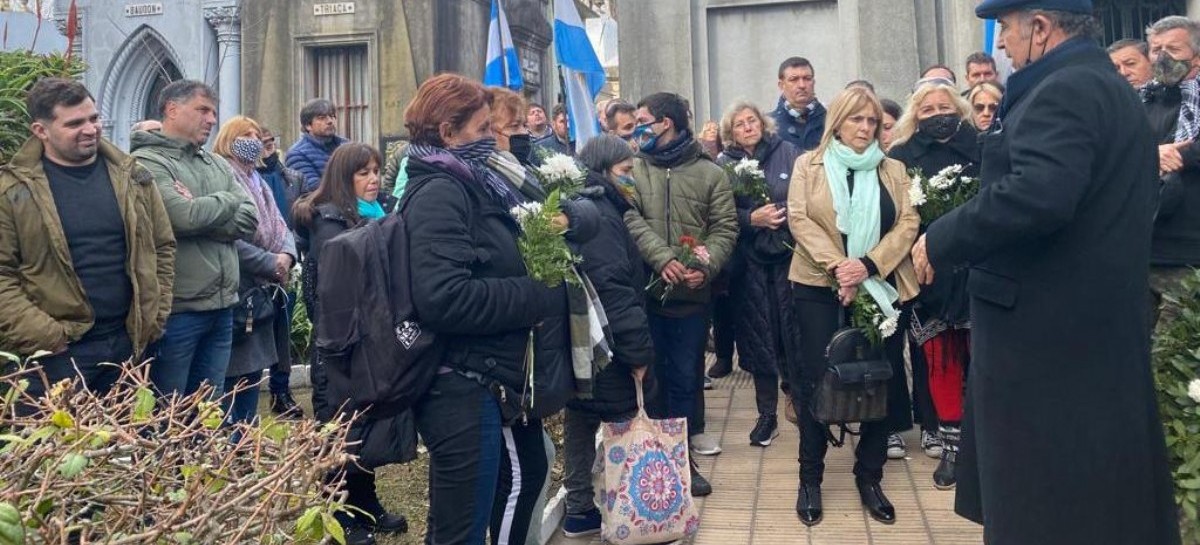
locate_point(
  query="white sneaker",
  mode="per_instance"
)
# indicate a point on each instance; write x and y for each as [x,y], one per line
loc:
[704,445]
[896,449]
[931,444]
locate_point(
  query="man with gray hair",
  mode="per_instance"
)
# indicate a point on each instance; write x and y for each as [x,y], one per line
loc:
[1062,442]
[1173,103]
[208,210]
[318,120]
[1132,60]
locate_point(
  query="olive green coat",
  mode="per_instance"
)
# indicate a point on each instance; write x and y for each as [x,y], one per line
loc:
[44,306]
[692,197]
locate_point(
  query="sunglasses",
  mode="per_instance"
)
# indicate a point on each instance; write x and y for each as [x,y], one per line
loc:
[980,108]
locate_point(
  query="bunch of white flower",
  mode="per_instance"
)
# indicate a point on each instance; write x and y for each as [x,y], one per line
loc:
[1194,390]
[526,210]
[559,166]
[916,193]
[748,167]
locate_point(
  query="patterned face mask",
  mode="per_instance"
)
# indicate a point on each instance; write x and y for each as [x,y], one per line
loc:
[247,150]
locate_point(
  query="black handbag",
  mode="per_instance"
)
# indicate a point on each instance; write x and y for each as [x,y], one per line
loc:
[854,387]
[256,307]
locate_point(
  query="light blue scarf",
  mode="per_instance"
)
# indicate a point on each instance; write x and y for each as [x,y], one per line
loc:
[370,210]
[858,214]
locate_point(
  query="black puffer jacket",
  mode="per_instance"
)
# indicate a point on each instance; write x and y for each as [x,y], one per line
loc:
[612,262]
[760,288]
[469,281]
[776,158]
[946,299]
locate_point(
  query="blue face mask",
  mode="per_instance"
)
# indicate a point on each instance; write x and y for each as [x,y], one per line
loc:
[645,137]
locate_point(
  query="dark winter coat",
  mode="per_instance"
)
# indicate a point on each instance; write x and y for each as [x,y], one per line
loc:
[469,280]
[802,133]
[760,289]
[552,144]
[1176,239]
[309,156]
[946,299]
[284,183]
[1062,442]
[612,262]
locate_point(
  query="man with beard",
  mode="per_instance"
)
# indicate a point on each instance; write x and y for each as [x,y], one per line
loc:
[86,250]
[1062,442]
[1173,103]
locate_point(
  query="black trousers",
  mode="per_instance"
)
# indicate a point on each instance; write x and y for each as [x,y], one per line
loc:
[817,318]
[95,358]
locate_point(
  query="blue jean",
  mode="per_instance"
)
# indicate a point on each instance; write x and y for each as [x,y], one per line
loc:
[194,349]
[678,346]
[459,421]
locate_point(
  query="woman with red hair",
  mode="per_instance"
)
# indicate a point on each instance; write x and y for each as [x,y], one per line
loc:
[470,287]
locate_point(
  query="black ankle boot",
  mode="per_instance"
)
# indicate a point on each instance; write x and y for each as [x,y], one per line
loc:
[875,501]
[721,368]
[944,477]
[808,504]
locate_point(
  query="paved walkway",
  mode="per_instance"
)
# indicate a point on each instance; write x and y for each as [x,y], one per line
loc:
[754,489]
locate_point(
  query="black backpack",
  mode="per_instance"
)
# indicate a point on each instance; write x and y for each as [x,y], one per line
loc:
[377,357]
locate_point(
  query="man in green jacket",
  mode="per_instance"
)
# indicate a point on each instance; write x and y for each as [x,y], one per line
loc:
[208,210]
[86,251]
[679,193]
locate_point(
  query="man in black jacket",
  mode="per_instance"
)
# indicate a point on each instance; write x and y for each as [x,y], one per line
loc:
[1172,103]
[1062,442]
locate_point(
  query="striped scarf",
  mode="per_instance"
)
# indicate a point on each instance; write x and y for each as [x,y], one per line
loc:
[1188,126]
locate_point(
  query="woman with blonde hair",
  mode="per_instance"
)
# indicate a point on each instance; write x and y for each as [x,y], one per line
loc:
[758,285]
[849,212]
[265,262]
[985,98]
[935,132]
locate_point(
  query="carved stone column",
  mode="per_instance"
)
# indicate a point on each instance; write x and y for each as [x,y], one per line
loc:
[226,21]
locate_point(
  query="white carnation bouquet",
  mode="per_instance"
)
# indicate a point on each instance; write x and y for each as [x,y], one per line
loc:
[562,173]
[945,191]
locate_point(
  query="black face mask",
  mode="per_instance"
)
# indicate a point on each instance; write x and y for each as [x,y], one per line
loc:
[520,145]
[940,127]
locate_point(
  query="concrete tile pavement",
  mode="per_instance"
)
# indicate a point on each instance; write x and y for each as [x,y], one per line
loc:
[754,489]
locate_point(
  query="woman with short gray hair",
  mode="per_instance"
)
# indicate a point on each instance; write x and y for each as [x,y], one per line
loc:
[759,268]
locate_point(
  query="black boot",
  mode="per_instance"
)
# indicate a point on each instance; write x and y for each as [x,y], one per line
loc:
[944,477]
[721,368]
[808,504]
[285,407]
[875,501]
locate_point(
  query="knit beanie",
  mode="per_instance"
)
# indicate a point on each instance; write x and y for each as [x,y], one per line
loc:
[604,151]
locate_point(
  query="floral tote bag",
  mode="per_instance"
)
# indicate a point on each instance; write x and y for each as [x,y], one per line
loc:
[647,491]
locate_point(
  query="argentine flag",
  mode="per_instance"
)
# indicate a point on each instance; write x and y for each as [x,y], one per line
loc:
[583,77]
[502,68]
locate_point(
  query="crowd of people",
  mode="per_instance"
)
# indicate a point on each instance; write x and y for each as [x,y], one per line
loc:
[182,252]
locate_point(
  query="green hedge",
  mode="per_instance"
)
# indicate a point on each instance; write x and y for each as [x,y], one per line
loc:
[1176,366]
[18,72]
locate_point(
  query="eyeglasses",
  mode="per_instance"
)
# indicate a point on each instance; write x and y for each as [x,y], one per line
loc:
[932,81]
[990,108]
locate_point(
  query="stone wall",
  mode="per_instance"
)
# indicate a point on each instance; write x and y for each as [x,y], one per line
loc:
[717,51]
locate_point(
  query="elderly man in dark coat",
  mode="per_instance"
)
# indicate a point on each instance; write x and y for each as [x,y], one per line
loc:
[1062,442]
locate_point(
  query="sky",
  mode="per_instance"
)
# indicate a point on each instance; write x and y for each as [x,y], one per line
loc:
[21,29]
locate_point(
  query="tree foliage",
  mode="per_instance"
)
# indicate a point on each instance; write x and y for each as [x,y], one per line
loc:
[19,70]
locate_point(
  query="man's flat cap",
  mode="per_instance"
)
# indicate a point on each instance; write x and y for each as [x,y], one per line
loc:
[991,9]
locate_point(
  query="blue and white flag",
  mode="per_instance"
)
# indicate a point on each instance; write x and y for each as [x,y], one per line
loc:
[503,69]
[583,76]
[991,44]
